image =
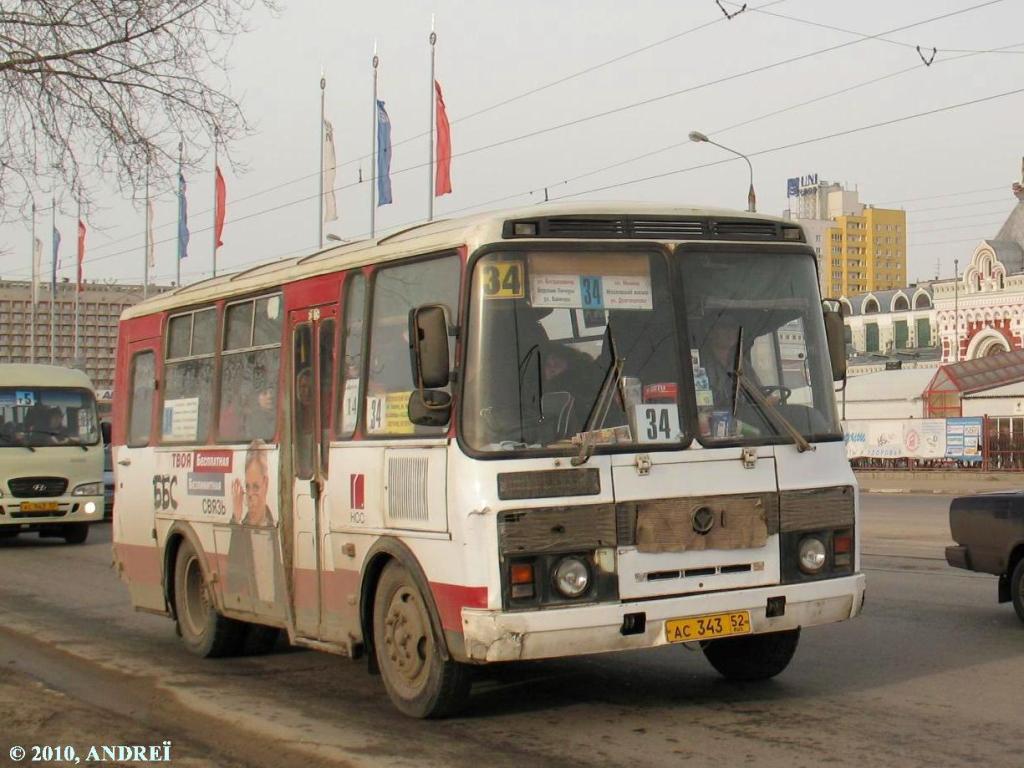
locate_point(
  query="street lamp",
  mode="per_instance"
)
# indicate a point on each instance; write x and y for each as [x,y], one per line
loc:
[697,136]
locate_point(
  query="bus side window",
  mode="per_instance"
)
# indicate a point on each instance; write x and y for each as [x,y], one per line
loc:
[141,414]
[351,361]
[397,290]
[250,359]
[188,376]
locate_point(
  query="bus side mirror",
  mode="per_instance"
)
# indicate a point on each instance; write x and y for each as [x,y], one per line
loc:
[835,332]
[430,407]
[428,342]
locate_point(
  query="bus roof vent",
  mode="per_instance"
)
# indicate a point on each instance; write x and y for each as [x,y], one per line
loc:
[745,229]
[583,226]
[668,229]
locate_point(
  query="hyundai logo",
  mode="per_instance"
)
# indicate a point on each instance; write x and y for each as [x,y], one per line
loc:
[39,487]
[703,520]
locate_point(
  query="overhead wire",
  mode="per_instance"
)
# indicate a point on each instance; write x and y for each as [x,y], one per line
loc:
[651,100]
[492,107]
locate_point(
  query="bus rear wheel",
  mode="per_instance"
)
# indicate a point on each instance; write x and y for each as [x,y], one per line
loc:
[419,681]
[203,630]
[752,657]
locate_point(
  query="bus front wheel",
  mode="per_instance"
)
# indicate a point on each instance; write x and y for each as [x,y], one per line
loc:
[203,630]
[419,681]
[76,533]
[752,657]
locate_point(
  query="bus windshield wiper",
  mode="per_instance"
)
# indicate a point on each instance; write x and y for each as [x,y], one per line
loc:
[754,392]
[14,440]
[599,410]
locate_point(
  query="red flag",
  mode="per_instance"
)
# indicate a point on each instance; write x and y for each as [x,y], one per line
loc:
[221,208]
[443,176]
[81,250]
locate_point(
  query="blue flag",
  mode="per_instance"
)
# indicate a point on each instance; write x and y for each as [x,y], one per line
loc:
[53,265]
[383,155]
[182,219]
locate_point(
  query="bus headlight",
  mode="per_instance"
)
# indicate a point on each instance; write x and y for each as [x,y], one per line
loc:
[812,554]
[88,489]
[571,576]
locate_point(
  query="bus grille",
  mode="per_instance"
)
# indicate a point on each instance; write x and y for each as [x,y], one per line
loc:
[407,488]
[653,228]
[37,487]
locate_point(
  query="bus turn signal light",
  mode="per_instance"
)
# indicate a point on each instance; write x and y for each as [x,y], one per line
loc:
[842,546]
[521,578]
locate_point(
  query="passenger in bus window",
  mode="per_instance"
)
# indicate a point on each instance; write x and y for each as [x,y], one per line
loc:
[304,422]
[262,421]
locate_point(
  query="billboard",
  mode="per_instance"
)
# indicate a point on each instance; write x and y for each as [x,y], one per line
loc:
[800,184]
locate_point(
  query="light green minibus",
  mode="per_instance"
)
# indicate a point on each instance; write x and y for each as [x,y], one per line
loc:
[51,454]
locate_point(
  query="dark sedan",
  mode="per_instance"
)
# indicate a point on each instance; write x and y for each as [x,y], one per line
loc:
[989,533]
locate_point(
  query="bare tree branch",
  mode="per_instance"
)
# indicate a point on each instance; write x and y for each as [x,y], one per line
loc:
[92,88]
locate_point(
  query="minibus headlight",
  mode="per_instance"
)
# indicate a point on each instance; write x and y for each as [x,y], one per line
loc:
[88,489]
[571,576]
[812,554]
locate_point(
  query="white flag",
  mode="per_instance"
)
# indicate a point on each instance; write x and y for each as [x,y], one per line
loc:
[37,267]
[330,206]
[150,252]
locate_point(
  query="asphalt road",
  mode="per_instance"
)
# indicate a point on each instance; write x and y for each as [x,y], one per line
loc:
[929,675]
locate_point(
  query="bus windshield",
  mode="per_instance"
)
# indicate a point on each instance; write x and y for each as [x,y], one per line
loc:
[47,416]
[754,326]
[545,330]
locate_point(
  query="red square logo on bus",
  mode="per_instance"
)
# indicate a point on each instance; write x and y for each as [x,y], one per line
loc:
[356,485]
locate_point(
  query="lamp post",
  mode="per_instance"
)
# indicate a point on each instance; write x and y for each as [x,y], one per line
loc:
[698,137]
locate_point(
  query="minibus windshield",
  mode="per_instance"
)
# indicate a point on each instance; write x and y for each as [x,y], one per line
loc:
[544,326]
[756,342]
[38,417]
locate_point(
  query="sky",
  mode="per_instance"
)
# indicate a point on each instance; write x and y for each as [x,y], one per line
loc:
[571,93]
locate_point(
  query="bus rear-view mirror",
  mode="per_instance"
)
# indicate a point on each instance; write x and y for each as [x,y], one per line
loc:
[835,336]
[428,340]
[430,407]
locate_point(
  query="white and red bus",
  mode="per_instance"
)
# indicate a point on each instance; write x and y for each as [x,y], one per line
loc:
[555,431]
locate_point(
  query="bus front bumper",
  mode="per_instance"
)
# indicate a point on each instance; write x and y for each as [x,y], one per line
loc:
[33,514]
[499,636]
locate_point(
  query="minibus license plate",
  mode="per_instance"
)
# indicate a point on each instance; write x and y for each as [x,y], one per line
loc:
[706,627]
[39,506]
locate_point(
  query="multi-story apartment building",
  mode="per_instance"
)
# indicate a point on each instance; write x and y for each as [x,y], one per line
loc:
[99,308]
[860,248]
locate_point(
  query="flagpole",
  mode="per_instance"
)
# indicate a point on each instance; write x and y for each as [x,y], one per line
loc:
[145,241]
[78,275]
[35,278]
[430,142]
[216,135]
[177,279]
[320,220]
[53,281]
[373,151]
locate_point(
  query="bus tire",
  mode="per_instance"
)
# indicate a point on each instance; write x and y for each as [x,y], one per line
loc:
[75,533]
[752,657]
[419,680]
[1017,589]
[259,639]
[203,630]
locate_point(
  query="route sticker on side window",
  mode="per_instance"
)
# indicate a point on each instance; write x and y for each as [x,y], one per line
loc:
[503,280]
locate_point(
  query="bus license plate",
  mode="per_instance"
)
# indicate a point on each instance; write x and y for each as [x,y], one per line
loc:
[39,506]
[706,627]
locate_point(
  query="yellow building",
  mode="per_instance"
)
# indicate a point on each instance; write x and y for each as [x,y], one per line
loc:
[864,252]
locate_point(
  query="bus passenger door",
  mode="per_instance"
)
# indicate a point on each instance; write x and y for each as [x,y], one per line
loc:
[313,332]
[136,551]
